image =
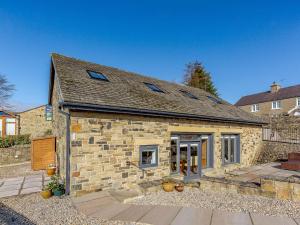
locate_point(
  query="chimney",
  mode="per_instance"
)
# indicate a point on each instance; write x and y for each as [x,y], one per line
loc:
[275,87]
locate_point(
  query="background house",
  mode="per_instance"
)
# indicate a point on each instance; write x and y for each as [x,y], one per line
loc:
[8,124]
[35,121]
[273,102]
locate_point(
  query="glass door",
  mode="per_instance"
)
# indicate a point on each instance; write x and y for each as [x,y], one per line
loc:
[190,160]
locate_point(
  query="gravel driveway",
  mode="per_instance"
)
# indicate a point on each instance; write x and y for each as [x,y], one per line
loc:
[32,209]
[222,201]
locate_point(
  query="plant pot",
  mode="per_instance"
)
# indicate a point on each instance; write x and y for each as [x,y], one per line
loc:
[179,187]
[51,171]
[46,194]
[58,192]
[168,186]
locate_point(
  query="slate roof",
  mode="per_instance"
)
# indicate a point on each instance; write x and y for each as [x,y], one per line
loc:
[126,91]
[282,93]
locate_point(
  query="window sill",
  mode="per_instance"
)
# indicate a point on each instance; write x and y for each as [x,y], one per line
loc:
[148,167]
[230,164]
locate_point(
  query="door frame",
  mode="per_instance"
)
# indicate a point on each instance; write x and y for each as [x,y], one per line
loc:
[190,176]
[180,138]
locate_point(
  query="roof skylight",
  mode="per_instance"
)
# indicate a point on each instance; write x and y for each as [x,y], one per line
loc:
[214,100]
[96,75]
[153,87]
[188,94]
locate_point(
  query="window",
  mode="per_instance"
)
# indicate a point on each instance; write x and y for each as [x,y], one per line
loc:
[255,108]
[10,126]
[148,156]
[276,105]
[230,148]
[96,75]
[48,113]
[298,102]
[188,94]
[153,87]
[214,100]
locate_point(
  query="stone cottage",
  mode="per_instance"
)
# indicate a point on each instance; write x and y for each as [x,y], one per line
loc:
[117,129]
[35,122]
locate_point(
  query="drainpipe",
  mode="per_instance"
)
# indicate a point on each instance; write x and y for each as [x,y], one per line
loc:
[67,115]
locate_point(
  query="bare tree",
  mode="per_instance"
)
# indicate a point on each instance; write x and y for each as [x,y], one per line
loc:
[6,91]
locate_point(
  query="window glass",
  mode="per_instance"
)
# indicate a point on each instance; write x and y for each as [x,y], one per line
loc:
[230,149]
[226,154]
[276,105]
[174,155]
[255,108]
[153,87]
[188,94]
[96,75]
[148,156]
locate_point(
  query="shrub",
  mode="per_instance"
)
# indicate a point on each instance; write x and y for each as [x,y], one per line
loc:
[9,141]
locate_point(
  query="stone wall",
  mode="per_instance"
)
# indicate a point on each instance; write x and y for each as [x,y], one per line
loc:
[272,150]
[59,129]
[102,144]
[272,187]
[34,122]
[276,151]
[15,154]
[265,108]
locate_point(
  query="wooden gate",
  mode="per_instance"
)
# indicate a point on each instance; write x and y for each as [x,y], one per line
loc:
[42,152]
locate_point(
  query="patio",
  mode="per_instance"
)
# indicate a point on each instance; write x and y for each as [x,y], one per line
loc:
[111,206]
[254,174]
[22,185]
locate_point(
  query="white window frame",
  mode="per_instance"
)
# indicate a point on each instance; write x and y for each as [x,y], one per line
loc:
[298,102]
[276,105]
[255,108]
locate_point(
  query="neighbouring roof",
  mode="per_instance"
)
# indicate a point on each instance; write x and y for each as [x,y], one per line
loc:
[127,92]
[282,93]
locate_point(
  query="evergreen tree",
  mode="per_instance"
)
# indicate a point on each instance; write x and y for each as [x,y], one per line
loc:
[196,76]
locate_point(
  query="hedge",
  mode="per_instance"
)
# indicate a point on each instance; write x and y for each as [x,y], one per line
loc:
[9,141]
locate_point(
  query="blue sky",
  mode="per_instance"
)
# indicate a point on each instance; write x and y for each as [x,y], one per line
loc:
[245,45]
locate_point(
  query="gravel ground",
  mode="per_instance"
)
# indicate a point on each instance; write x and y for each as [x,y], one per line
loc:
[222,201]
[32,209]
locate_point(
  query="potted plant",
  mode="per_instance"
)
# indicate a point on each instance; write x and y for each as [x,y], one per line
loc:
[179,187]
[46,192]
[51,169]
[168,185]
[56,186]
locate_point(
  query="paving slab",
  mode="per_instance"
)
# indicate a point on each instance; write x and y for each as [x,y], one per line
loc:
[91,196]
[109,211]
[32,184]
[13,182]
[91,206]
[271,220]
[34,179]
[121,196]
[193,216]
[160,215]
[10,187]
[4,194]
[30,190]
[298,221]
[134,213]
[229,218]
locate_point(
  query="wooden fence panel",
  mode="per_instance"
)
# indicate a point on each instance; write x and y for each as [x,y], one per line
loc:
[42,152]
